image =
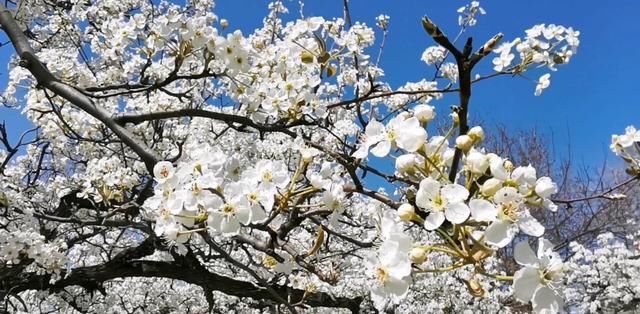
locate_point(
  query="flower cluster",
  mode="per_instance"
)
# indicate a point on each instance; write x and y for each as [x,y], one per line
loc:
[108,180]
[468,13]
[627,147]
[602,276]
[263,157]
[488,210]
[212,188]
[545,45]
[26,245]
[389,266]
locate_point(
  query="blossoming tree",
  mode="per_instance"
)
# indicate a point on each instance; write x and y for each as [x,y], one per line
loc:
[176,165]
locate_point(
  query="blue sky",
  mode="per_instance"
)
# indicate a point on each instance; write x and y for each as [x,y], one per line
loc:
[589,99]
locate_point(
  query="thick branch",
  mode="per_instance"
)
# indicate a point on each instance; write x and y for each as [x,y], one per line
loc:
[92,276]
[229,118]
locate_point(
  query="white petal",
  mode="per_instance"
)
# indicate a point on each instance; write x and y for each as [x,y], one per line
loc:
[499,233]
[455,193]
[243,214]
[529,225]
[434,220]
[400,266]
[544,247]
[507,194]
[379,297]
[229,225]
[374,128]
[457,213]
[524,255]
[362,152]
[214,221]
[429,189]
[546,301]
[545,187]
[548,204]
[257,213]
[483,210]
[410,135]
[381,149]
[525,283]
[397,288]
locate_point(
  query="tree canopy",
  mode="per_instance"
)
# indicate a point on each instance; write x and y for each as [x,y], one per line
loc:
[177,165]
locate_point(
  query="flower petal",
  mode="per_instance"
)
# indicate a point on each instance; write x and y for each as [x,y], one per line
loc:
[524,255]
[429,190]
[483,210]
[397,288]
[529,225]
[545,300]
[229,225]
[434,220]
[499,233]
[457,213]
[381,149]
[544,247]
[411,136]
[455,193]
[525,283]
[374,128]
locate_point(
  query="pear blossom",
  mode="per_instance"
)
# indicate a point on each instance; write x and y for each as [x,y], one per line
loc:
[622,143]
[476,162]
[442,201]
[545,187]
[434,55]
[418,255]
[334,199]
[226,216]
[400,132]
[468,13]
[406,164]
[424,113]
[271,175]
[243,141]
[543,83]
[390,268]
[464,142]
[476,133]
[507,217]
[406,212]
[163,171]
[503,61]
[540,279]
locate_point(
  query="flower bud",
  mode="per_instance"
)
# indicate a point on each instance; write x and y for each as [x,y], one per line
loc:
[614,197]
[545,187]
[477,162]
[490,187]
[455,118]
[406,212]
[475,288]
[508,165]
[418,255]
[464,143]
[405,164]
[224,23]
[424,113]
[307,57]
[477,134]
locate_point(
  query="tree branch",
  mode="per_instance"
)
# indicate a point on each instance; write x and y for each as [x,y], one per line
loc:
[48,80]
[91,276]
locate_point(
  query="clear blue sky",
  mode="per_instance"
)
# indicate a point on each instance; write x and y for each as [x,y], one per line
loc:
[589,99]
